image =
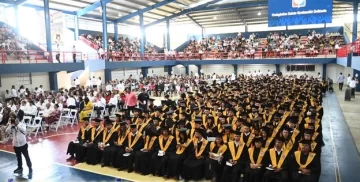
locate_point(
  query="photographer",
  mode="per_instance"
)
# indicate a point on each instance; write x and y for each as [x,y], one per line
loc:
[18,131]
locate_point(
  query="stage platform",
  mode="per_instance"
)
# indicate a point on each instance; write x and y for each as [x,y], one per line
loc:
[340,158]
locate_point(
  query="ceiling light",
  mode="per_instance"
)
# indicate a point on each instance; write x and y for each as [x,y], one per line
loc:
[215,18]
[100,10]
[259,13]
[119,14]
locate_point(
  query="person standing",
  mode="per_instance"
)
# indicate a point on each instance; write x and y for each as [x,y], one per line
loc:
[340,80]
[74,53]
[130,101]
[348,80]
[143,98]
[18,130]
[352,85]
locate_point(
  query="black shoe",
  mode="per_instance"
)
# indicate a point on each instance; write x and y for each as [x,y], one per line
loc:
[18,170]
[30,170]
[102,165]
[130,170]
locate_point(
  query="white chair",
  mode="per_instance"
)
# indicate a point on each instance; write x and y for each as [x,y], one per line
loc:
[40,113]
[62,120]
[34,126]
[26,119]
[73,116]
[66,115]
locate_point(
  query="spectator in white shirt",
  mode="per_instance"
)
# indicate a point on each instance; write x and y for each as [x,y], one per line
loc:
[48,110]
[22,90]
[269,73]
[99,82]
[94,82]
[348,80]
[352,86]
[100,104]
[71,102]
[41,90]
[77,82]
[14,92]
[31,110]
[109,87]
[7,95]
[120,86]
[112,103]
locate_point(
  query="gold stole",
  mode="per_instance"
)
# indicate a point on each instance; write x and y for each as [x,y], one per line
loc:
[216,119]
[192,133]
[318,108]
[132,143]
[313,145]
[220,128]
[260,157]
[221,150]
[83,131]
[106,135]
[267,119]
[289,145]
[177,135]
[113,127]
[202,148]
[226,138]
[268,142]
[248,143]
[97,133]
[295,133]
[308,160]
[251,116]
[274,162]
[314,135]
[204,119]
[168,142]
[121,139]
[214,113]
[232,121]
[180,150]
[142,127]
[236,154]
[149,143]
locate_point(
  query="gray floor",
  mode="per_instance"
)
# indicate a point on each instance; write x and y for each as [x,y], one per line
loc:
[340,157]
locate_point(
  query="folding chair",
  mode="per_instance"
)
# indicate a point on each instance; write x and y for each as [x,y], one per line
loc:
[66,115]
[26,120]
[33,126]
[73,116]
[40,113]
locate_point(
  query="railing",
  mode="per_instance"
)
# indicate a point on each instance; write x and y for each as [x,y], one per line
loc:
[350,48]
[16,57]
[88,42]
[31,56]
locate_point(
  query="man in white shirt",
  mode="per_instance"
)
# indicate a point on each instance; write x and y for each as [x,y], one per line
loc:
[120,86]
[112,103]
[269,73]
[94,82]
[14,93]
[48,110]
[100,104]
[109,87]
[18,131]
[99,83]
[352,86]
[71,102]
[348,80]
[41,90]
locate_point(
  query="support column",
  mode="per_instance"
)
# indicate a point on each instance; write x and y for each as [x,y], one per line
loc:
[355,13]
[76,27]
[168,34]
[16,11]
[47,29]
[145,71]
[235,70]
[357,88]
[142,29]
[186,69]
[277,68]
[107,75]
[199,68]
[104,24]
[324,71]
[202,32]
[246,28]
[53,81]
[169,70]
[116,31]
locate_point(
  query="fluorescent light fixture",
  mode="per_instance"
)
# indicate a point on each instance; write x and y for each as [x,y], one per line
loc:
[215,18]
[259,13]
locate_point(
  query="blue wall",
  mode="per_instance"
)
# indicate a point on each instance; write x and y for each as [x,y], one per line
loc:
[342,61]
[40,67]
[355,62]
[95,65]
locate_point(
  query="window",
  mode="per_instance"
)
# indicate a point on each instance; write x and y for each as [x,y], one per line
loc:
[300,67]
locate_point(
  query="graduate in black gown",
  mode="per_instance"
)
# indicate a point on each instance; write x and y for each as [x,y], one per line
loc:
[183,147]
[120,144]
[236,157]
[143,163]
[135,142]
[256,167]
[165,146]
[193,167]
[77,148]
[213,163]
[305,164]
[93,155]
[108,144]
[277,163]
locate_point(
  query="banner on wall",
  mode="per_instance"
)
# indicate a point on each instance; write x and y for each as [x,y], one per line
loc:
[299,12]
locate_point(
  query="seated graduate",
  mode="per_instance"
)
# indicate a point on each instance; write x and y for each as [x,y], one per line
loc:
[278,163]
[267,139]
[120,144]
[246,135]
[166,145]
[314,147]
[305,164]
[77,146]
[143,163]
[228,135]
[193,167]
[183,148]
[93,155]
[213,165]
[256,167]
[210,127]
[135,142]
[108,143]
[235,158]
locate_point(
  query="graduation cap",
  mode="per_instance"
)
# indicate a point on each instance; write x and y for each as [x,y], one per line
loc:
[198,121]
[182,130]
[190,93]
[237,132]
[138,110]
[195,108]
[280,139]
[247,124]
[170,112]
[122,123]
[227,126]
[202,132]
[286,128]
[108,122]
[118,115]
[133,125]
[141,117]
[97,120]
[257,139]
[86,118]
[106,117]
[156,118]
[305,142]
[165,128]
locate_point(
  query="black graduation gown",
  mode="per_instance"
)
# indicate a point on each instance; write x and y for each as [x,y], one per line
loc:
[72,147]
[109,152]
[143,163]
[160,163]
[255,175]
[283,175]
[213,168]
[126,162]
[232,173]
[120,150]
[193,167]
[93,155]
[314,167]
[176,160]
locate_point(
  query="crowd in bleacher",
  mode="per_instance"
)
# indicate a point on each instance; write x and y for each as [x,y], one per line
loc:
[274,44]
